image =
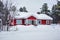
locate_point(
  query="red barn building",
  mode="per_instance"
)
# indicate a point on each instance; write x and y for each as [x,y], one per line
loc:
[22,18]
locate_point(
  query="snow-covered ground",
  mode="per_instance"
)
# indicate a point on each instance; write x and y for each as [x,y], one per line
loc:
[26,28]
[40,32]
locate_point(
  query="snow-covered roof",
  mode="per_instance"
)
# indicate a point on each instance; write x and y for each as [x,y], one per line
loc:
[22,15]
[26,15]
[43,16]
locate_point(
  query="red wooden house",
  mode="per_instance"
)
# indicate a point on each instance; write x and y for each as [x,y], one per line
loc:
[22,18]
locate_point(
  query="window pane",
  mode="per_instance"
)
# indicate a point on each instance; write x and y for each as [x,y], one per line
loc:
[47,22]
[26,21]
[29,21]
[18,21]
[34,21]
[38,21]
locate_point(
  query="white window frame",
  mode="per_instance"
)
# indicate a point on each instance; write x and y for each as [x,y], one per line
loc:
[29,21]
[26,21]
[19,21]
[35,21]
[38,21]
[47,21]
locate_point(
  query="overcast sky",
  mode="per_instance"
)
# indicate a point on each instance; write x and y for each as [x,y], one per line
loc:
[33,5]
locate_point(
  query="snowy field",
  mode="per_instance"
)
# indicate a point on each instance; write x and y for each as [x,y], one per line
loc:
[40,32]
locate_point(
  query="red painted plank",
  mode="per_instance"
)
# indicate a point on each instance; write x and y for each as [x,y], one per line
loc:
[31,18]
[43,21]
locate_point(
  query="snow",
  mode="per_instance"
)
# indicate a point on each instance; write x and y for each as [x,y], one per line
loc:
[43,16]
[22,15]
[28,14]
[51,27]
[40,32]
[29,36]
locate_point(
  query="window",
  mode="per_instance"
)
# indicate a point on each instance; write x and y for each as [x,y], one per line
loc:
[29,21]
[18,21]
[26,21]
[38,21]
[47,22]
[35,21]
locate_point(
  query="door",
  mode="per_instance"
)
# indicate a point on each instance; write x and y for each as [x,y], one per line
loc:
[43,21]
[32,22]
[23,21]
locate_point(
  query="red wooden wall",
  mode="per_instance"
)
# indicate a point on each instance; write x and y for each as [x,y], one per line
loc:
[31,18]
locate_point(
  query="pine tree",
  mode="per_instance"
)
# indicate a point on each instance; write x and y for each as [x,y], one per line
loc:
[56,12]
[13,8]
[24,9]
[44,8]
[1,6]
[21,9]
